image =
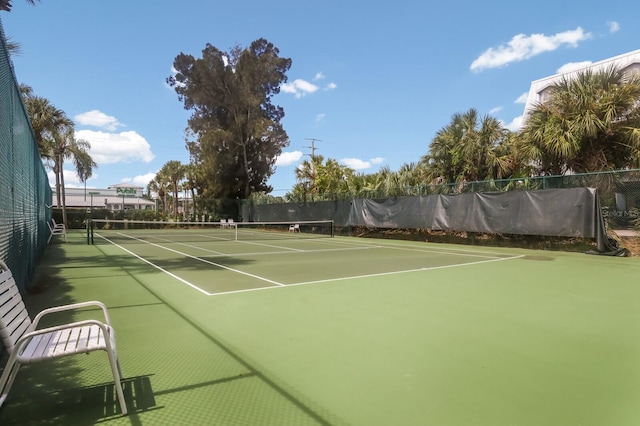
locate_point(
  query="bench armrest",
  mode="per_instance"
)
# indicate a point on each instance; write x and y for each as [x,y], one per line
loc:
[69,307]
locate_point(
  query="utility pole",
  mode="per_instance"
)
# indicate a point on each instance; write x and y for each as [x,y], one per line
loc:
[312,147]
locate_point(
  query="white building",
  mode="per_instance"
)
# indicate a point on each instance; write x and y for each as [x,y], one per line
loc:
[114,198]
[540,89]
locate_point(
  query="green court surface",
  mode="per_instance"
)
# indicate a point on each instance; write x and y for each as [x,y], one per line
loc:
[341,331]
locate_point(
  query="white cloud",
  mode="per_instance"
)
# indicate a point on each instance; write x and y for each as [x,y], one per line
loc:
[515,124]
[522,99]
[358,164]
[288,158]
[320,117]
[614,27]
[109,148]
[573,66]
[495,110]
[70,179]
[522,47]
[299,88]
[99,119]
[143,180]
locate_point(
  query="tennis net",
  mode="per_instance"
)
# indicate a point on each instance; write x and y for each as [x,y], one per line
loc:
[121,231]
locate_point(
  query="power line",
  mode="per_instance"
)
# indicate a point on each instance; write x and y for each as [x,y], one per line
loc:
[312,147]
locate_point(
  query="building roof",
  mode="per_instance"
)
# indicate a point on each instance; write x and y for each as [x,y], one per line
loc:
[101,198]
[99,201]
[623,61]
[124,185]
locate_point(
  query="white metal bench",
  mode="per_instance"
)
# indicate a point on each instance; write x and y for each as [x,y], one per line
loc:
[56,229]
[27,344]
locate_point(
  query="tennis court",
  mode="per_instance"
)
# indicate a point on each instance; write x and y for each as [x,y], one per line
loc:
[246,257]
[290,329]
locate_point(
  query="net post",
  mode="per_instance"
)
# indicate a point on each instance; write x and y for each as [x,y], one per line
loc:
[90,230]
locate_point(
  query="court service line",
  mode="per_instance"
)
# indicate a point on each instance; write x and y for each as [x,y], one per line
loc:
[195,287]
[431,268]
[465,254]
[355,277]
[438,250]
[269,245]
[192,246]
[264,253]
[195,258]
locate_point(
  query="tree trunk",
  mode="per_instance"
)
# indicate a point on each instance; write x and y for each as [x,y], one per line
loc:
[56,172]
[63,195]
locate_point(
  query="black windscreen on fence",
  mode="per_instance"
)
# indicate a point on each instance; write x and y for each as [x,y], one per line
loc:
[568,212]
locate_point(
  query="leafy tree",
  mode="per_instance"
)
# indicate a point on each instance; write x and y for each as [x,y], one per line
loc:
[590,123]
[236,128]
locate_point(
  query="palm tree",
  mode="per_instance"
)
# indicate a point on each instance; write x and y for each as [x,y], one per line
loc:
[6,4]
[46,120]
[84,166]
[55,136]
[470,148]
[190,174]
[173,172]
[444,159]
[331,177]
[306,175]
[159,186]
[12,47]
[590,123]
[66,146]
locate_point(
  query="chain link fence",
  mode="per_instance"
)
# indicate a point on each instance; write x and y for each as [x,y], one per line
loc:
[24,187]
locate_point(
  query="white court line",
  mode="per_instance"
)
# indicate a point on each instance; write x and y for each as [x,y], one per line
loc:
[397,245]
[284,250]
[269,245]
[465,254]
[355,277]
[360,247]
[158,267]
[262,253]
[191,246]
[191,257]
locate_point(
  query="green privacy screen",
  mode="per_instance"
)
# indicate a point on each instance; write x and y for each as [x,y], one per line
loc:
[24,186]
[568,212]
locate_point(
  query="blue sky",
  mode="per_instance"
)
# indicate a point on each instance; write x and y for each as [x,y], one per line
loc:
[373,81]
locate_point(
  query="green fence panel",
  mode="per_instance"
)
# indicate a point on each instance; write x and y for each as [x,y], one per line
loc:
[24,187]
